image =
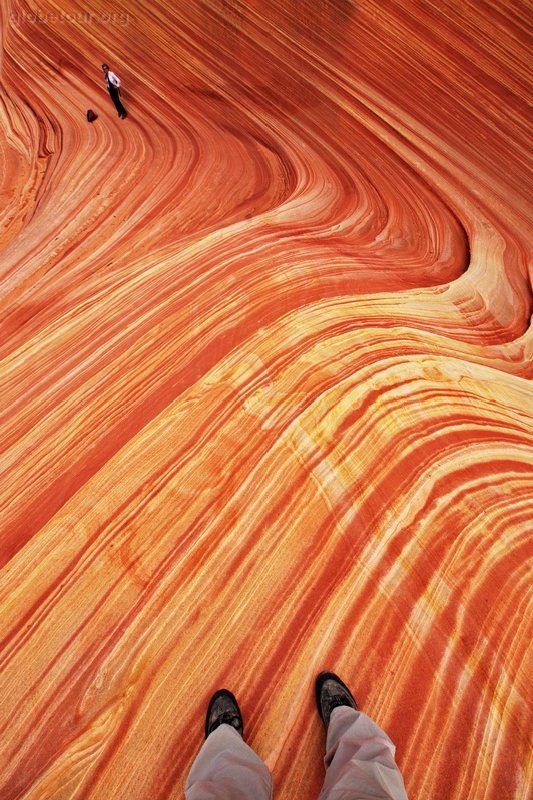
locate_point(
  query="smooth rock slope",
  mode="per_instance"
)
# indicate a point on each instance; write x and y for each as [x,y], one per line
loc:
[265,408]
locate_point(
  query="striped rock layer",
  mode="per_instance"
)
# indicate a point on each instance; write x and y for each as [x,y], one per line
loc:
[265,363]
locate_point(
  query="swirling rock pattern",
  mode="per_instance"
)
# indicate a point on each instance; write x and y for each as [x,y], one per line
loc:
[265,360]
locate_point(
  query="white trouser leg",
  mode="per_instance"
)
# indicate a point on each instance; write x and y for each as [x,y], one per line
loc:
[359,760]
[226,768]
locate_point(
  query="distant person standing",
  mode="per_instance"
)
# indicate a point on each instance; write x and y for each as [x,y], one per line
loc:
[113,84]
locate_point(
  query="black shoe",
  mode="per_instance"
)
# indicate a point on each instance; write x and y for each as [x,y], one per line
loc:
[330,693]
[223,709]
[124,114]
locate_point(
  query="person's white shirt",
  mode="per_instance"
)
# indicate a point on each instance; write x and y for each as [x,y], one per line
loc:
[112,78]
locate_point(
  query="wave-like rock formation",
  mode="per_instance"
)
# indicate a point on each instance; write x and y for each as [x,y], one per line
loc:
[265,362]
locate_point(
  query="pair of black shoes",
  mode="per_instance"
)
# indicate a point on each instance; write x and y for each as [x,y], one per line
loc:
[330,693]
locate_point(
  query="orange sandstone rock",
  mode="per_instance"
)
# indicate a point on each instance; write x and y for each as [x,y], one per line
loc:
[265,360]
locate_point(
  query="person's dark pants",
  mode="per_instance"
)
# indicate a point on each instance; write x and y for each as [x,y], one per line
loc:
[115,97]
